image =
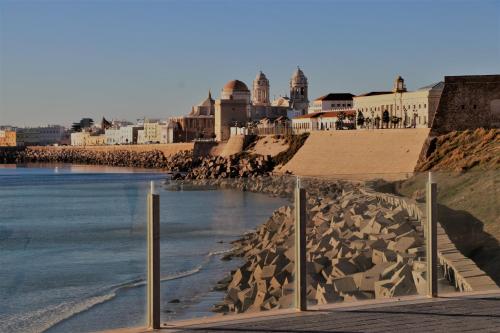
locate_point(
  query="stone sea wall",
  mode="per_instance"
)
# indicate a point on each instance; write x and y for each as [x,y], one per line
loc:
[184,164]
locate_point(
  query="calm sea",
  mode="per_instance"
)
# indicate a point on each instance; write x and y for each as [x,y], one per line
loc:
[73,246]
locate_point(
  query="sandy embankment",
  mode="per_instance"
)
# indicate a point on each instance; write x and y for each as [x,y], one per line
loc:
[364,152]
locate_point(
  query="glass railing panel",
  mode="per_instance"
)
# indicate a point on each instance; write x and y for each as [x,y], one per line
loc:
[227,247]
[469,227]
[72,249]
[365,237]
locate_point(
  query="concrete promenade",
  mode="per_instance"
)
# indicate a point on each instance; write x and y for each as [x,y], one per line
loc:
[450,313]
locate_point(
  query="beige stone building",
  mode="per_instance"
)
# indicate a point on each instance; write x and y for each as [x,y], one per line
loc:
[299,91]
[152,131]
[199,123]
[231,109]
[87,139]
[413,108]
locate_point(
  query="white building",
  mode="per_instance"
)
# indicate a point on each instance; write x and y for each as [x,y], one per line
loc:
[324,121]
[123,135]
[413,108]
[332,102]
[40,136]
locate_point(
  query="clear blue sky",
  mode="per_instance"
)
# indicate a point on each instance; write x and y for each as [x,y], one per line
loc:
[64,60]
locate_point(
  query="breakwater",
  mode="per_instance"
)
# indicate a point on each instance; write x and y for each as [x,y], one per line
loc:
[9,155]
[358,247]
[185,164]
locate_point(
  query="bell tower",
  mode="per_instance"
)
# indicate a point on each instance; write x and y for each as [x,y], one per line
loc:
[298,91]
[260,90]
[399,85]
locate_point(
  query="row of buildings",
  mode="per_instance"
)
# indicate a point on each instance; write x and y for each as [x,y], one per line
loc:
[33,136]
[241,111]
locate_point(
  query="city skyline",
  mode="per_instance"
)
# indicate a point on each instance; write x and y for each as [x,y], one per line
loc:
[62,61]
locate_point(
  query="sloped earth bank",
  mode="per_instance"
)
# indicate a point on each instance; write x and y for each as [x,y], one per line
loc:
[357,248]
[466,167]
[462,151]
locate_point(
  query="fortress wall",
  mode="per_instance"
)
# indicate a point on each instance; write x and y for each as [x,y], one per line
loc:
[468,102]
[362,153]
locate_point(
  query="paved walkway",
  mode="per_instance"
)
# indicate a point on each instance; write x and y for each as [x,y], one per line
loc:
[471,313]
[478,313]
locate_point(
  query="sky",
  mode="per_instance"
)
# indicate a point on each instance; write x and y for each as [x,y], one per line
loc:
[64,60]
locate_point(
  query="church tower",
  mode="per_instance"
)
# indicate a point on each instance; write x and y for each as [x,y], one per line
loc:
[399,85]
[298,91]
[260,91]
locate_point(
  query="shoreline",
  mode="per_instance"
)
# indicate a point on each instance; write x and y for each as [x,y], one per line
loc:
[81,168]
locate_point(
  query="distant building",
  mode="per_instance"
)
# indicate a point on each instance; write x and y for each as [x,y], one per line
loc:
[87,139]
[412,108]
[232,108]
[7,138]
[40,136]
[237,106]
[332,102]
[123,135]
[152,131]
[199,123]
[324,121]
[261,107]
[299,91]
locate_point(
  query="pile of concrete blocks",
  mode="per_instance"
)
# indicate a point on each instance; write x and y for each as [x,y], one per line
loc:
[357,247]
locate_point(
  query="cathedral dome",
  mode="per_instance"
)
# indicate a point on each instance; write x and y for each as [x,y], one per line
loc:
[235,85]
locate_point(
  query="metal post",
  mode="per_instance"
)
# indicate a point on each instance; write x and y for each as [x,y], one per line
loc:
[431,238]
[300,248]
[153,286]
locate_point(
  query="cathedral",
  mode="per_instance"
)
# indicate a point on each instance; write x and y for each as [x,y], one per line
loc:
[237,105]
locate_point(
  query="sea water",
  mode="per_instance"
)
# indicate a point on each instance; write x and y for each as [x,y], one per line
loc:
[73,246]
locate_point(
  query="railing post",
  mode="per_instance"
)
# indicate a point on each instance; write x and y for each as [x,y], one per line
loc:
[153,286]
[300,248]
[431,238]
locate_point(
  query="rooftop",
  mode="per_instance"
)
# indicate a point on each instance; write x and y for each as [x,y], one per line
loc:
[335,97]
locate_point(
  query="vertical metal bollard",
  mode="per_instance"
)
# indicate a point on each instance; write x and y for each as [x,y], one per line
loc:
[300,248]
[431,238]
[153,287]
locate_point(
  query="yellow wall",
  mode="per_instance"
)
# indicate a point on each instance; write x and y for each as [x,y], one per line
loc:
[7,139]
